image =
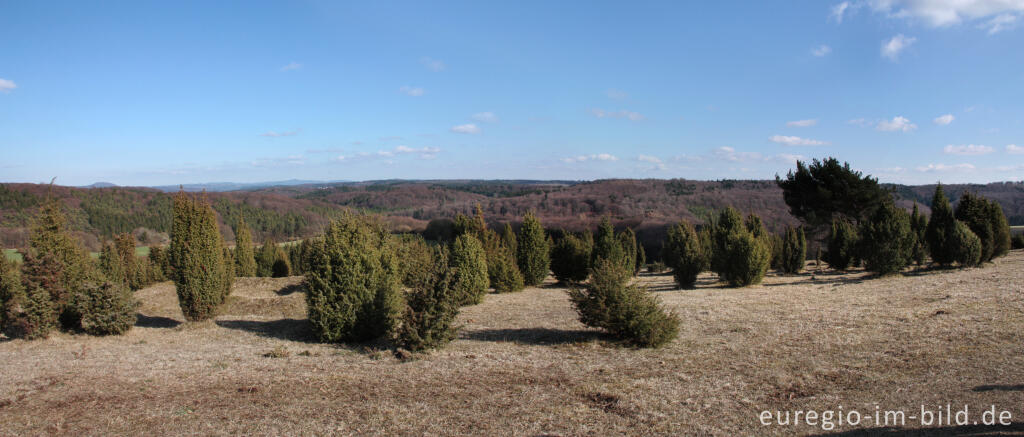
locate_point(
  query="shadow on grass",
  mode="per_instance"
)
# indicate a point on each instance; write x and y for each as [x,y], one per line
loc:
[534,336]
[144,321]
[1015,428]
[294,288]
[283,329]
[1018,387]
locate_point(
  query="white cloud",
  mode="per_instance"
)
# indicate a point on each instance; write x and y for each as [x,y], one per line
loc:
[648,158]
[859,122]
[387,155]
[795,141]
[423,152]
[593,157]
[894,46]
[291,66]
[821,50]
[944,119]
[730,154]
[802,123]
[630,115]
[1014,149]
[432,64]
[616,94]
[790,158]
[468,128]
[411,91]
[967,149]
[6,86]
[1000,23]
[273,134]
[941,13]
[896,124]
[485,117]
[943,167]
[840,9]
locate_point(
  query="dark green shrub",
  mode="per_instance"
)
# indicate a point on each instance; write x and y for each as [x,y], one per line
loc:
[106,307]
[245,257]
[974,211]
[268,255]
[428,320]
[627,239]
[10,288]
[629,313]
[533,255]
[641,258]
[919,224]
[887,242]
[794,250]
[112,265]
[940,229]
[570,259]
[508,238]
[967,246]
[353,283]
[469,267]
[197,256]
[1000,230]
[49,237]
[842,245]
[607,245]
[30,312]
[740,256]
[684,253]
[657,267]
[160,262]
[504,274]
[1018,241]
[415,259]
[776,242]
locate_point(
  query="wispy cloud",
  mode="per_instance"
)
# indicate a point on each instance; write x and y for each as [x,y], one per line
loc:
[802,123]
[1014,149]
[292,160]
[291,66]
[821,50]
[967,149]
[943,167]
[272,134]
[897,123]
[648,158]
[468,128]
[795,141]
[485,117]
[629,115]
[894,46]
[941,13]
[944,119]
[616,94]
[593,157]
[433,64]
[7,86]
[411,91]
[1000,23]
[859,122]
[388,154]
[839,11]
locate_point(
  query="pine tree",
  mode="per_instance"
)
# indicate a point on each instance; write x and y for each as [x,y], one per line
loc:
[245,258]
[940,229]
[197,256]
[533,257]
[353,283]
[887,242]
[570,259]
[428,319]
[469,266]
[685,254]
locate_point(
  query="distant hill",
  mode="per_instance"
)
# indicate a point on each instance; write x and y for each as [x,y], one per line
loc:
[235,186]
[100,185]
[298,209]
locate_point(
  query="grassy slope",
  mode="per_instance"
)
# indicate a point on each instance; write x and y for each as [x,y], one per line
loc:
[524,365]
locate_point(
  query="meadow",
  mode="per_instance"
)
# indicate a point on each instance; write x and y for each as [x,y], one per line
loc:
[523,364]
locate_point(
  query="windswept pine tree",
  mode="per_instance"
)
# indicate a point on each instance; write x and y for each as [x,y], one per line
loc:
[245,260]
[197,256]
[533,254]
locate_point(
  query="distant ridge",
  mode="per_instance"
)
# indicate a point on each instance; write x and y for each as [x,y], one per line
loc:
[239,186]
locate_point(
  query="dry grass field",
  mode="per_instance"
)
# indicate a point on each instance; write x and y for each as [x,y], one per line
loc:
[524,365]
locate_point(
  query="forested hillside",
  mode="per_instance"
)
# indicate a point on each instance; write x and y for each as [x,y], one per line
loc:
[297,211]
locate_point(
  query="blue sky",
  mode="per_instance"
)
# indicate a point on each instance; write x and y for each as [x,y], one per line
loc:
[148,93]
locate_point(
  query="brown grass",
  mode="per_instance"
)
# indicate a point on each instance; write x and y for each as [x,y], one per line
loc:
[524,365]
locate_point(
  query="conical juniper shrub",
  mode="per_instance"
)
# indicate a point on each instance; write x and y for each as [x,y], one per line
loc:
[107,307]
[741,250]
[1000,230]
[533,253]
[570,259]
[198,258]
[974,212]
[887,242]
[939,232]
[968,247]
[919,224]
[627,239]
[353,283]
[245,257]
[684,253]
[794,250]
[842,245]
[469,267]
[428,319]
